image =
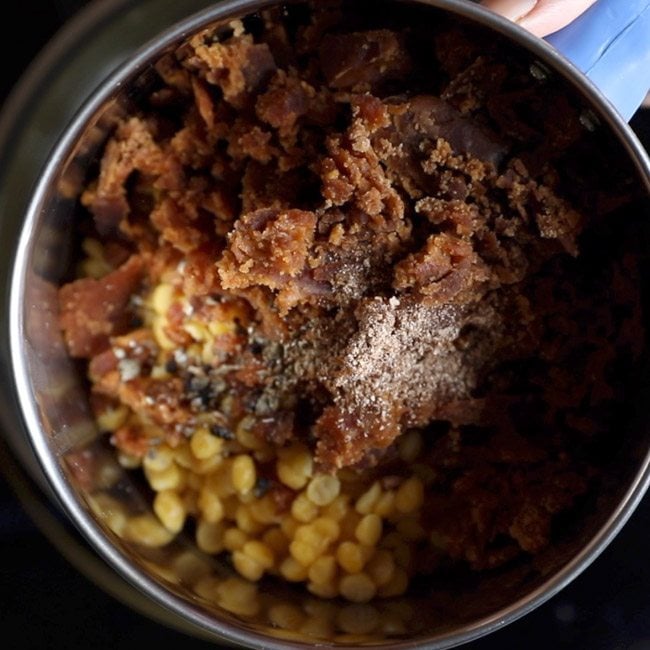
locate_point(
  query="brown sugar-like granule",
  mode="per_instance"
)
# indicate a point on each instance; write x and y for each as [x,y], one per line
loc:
[336,241]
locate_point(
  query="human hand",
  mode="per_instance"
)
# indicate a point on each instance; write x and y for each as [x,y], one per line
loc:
[541,17]
[609,43]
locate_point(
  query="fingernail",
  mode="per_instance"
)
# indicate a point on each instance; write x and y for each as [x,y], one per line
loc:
[512,9]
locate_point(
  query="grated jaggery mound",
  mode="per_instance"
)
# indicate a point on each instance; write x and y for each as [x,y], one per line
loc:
[396,240]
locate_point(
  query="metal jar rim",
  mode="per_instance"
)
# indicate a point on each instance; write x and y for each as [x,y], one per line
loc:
[197,619]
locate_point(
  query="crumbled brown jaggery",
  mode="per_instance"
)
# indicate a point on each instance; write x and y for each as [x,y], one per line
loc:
[389,239]
[92,311]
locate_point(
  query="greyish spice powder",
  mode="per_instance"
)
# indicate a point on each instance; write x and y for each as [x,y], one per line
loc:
[393,357]
[410,355]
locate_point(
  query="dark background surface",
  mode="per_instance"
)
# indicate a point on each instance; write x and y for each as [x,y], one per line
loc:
[46,602]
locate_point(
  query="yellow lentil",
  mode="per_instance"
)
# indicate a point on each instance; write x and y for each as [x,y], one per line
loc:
[182,455]
[246,436]
[147,530]
[112,418]
[206,587]
[359,587]
[246,522]
[205,466]
[162,298]
[385,505]
[95,264]
[366,502]
[190,567]
[244,474]
[303,552]
[196,330]
[409,496]
[164,572]
[220,480]
[292,570]
[170,510]
[350,557]
[221,327]
[158,329]
[210,505]
[396,586]
[336,509]
[392,625]
[323,489]
[204,445]
[318,628]
[264,510]
[320,609]
[409,446]
[294,466]
[210,537]
[368,530]
[286,616]
[170,478]
[110,511]
[107,474]
[289,525]
[381,567]
[234,538]
[260,552]
[265,455]
[238,596]
[304,509]
[247,566]
[277,541]
[323,570]
[323,590]
[308,534]
[195,481]
[328,529]
[358,619]
[128,461]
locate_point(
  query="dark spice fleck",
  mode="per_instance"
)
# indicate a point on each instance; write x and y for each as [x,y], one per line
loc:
[196,384]
[222,432]
[256,347]
[267,404]
[261,487]
[250,401]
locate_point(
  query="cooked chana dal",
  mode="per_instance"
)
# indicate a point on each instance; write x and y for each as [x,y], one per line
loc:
[338,309]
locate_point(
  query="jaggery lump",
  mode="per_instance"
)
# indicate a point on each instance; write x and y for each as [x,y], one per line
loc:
[356,244]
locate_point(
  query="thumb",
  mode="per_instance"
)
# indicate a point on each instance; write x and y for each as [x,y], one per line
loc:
[541,17]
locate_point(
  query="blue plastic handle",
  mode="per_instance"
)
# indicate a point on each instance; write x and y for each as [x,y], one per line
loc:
[610,43]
